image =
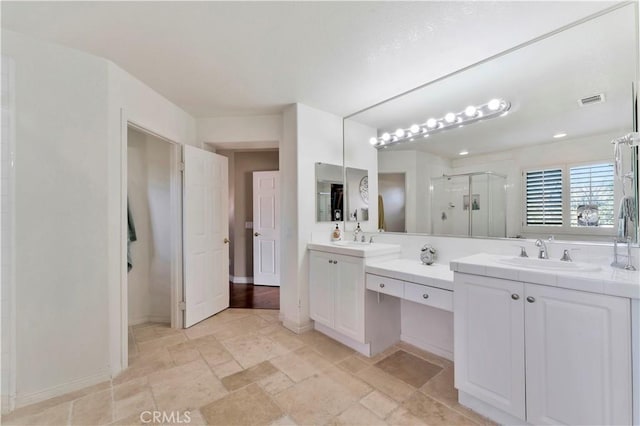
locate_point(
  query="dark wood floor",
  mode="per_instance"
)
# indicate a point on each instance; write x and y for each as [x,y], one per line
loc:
[254,296]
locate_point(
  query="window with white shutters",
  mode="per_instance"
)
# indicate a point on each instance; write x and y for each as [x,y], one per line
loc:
[544,197]
[591,195]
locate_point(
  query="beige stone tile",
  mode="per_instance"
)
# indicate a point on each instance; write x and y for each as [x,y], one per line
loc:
[315,400]
[275,383]
[352,364]
[134,404]
[53,416]
[54,402]
[409,368]
[239,327]
[441,388]
[330,349]
[287,339]
[385,383]
[431,411]
[252,349]
[130,388]
[226,369]
[402,417]
[212,351]
[144,365]
[435,359]
[247,406]
[355,386]
[312,357]
[294,366]
[153,332]
[251,375]
[184,352]
[182,394]
[160,344]
[379,403]
[284,421]
[269,317]
[378,357]
[356,415]
[93,409]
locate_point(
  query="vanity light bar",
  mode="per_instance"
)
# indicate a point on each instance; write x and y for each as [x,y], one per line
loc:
[471,114]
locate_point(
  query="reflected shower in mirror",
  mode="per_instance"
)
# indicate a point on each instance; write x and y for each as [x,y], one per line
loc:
[329,193]
[532,127]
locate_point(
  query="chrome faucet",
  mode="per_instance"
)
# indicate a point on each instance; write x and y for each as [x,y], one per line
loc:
[543,253]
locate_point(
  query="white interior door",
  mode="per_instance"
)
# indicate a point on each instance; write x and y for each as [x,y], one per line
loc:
[266,228]
[206,226]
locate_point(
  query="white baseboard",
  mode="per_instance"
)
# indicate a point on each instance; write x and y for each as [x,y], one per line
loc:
[427,347]
[150,318]
[8,403]
[32,398]
[240,280]
[295,327]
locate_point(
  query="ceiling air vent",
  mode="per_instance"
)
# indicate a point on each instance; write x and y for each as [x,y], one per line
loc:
[589,100]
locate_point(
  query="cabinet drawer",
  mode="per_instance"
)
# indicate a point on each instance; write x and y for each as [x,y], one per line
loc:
[431,296]
[385,285]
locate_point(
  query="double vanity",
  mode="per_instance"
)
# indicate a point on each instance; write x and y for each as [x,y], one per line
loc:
[535,341]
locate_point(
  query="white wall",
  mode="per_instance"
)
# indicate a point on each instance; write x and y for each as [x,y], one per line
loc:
[69,210]
[149,181]
[61,217]
[309,136]
[7,293]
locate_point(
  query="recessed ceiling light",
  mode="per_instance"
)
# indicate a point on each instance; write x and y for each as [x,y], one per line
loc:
[559,135]
[463,153]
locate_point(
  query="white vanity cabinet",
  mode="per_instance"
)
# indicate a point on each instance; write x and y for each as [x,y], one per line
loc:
[336,293]
[542,354]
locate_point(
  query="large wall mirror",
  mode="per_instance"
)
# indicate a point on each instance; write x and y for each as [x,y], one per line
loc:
[516,146]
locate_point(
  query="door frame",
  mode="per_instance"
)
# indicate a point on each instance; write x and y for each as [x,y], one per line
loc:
[120,356]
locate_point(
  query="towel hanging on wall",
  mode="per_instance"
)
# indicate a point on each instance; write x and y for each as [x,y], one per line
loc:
[131,236]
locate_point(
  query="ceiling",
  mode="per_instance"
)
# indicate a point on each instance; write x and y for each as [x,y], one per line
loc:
[244,58]
[543,81]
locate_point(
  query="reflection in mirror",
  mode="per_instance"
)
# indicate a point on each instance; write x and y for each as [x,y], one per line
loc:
[357,195]
[329,193]
[533,127]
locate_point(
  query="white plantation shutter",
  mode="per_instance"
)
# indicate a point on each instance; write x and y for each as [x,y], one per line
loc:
[591,188]
[544,197]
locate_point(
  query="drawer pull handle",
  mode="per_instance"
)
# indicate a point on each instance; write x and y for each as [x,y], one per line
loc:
[425,296]
[515,296]
[381,285]
[531,299]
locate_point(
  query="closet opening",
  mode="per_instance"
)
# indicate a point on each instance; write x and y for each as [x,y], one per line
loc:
[154,232]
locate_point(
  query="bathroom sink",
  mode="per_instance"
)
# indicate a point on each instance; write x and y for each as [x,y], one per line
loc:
[351,243]
[549,265]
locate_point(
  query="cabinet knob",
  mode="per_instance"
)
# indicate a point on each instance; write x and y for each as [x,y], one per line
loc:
[381,285]
[531,299]
[335,262]
[330,261]
[425,296]
[515,296]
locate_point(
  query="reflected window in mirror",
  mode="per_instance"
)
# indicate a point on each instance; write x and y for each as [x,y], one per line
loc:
[329,193]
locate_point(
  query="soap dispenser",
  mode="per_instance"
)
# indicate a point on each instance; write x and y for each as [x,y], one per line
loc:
[336,235]
[356,234]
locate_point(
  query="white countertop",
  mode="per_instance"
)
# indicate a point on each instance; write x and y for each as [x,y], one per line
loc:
[608,280]
[436,275]
[360,250]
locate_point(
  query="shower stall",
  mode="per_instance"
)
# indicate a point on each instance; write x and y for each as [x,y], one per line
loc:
[469,204]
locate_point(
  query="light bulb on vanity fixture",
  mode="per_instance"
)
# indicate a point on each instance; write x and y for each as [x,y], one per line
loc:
[471,114]
[559,135]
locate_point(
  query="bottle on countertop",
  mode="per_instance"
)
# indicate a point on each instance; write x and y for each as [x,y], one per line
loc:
[336,235]
[357,233]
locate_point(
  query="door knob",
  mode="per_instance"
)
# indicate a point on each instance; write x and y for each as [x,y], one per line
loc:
[256,234]
[226,241]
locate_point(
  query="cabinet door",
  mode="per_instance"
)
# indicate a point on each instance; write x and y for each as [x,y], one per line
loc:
[578,357]
[322,277]
[349,297]
[489,341]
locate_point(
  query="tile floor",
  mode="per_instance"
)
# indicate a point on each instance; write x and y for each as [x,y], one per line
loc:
[241,367]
